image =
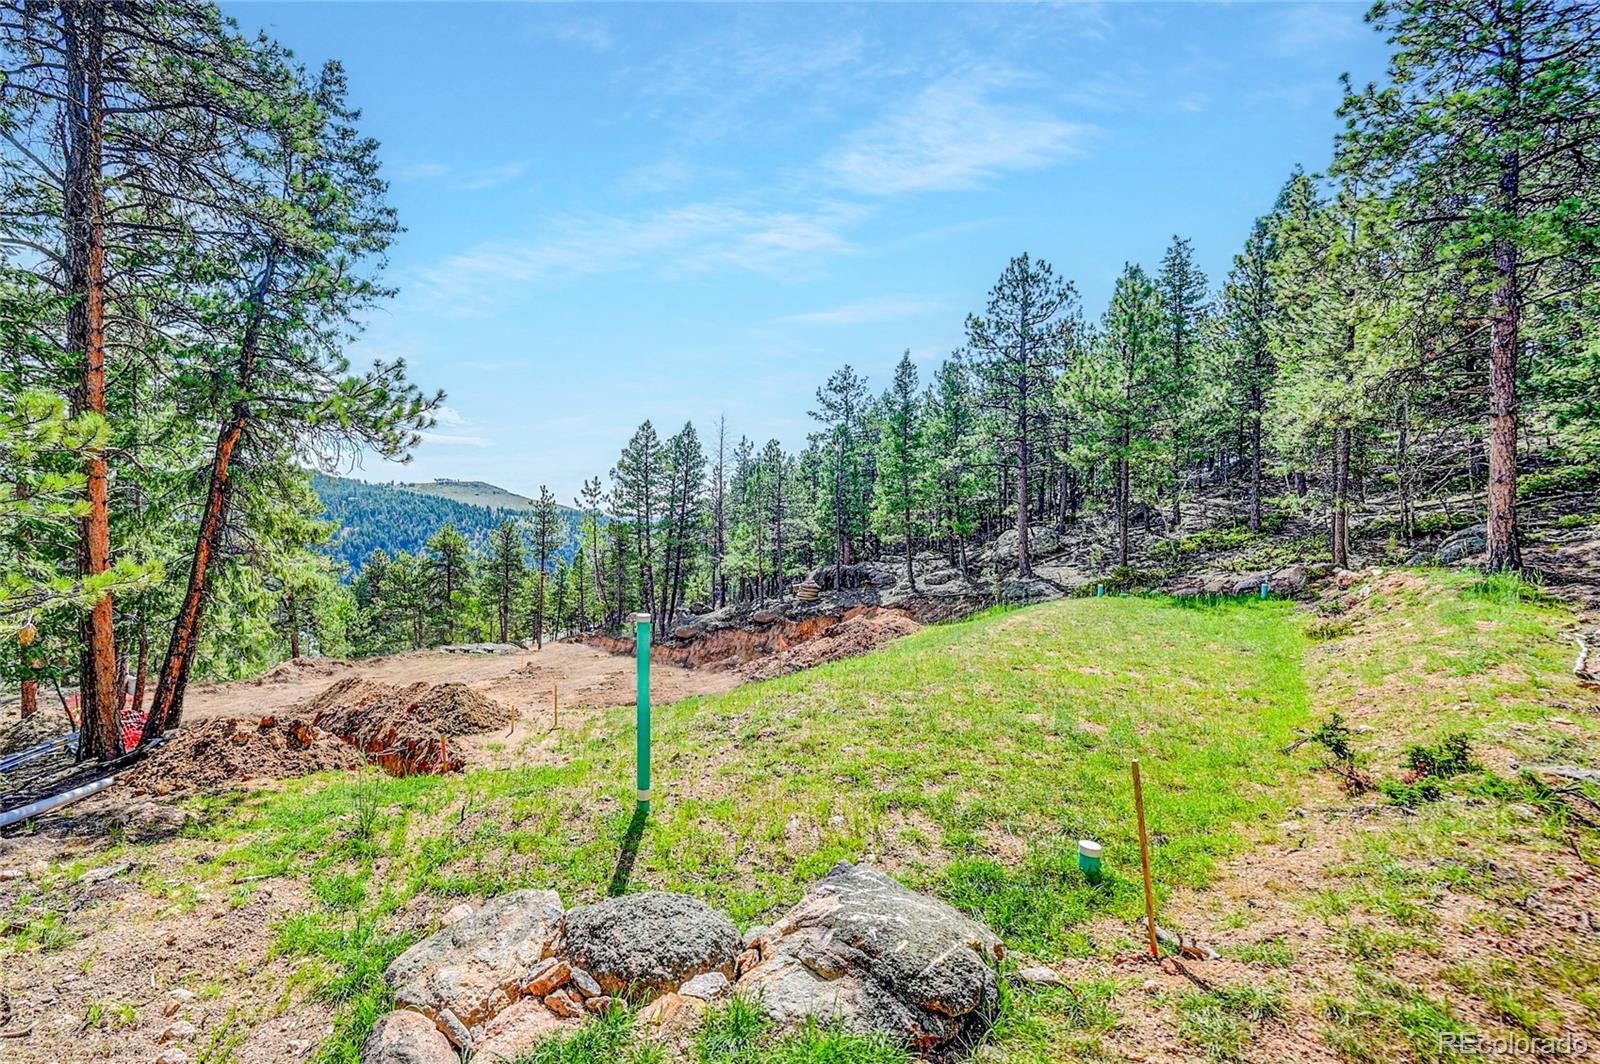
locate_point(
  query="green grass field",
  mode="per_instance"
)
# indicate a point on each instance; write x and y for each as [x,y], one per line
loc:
[968,759]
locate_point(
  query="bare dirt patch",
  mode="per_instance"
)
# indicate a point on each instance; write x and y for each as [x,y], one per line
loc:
[589,678]
[407,729]
[25,734]
[217,754]
[860,631]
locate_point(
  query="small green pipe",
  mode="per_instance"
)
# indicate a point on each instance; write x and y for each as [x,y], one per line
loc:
[1089,859]
[642,751]
[1100,591]
[1266,589]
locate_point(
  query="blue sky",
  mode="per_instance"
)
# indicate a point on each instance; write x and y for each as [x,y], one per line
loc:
[616,212]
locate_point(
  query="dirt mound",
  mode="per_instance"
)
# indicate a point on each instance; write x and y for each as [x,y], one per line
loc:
[406,729]
[292,670]
[24,734]
[858,633]
[223,753]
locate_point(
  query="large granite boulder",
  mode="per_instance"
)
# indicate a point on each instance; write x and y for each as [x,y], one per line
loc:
[648,944]
[1042,539]
[866,952]
[407,1038]
[465,974]
[1020,590]
[1463,544]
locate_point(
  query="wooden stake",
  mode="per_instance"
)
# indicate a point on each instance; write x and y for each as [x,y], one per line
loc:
[555,705]
[1144,857]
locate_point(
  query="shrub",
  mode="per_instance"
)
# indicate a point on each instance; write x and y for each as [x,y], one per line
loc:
[1558,479]
[1450,758]
[1435,523]
[1409,794]
[1324,629]
[1334,735]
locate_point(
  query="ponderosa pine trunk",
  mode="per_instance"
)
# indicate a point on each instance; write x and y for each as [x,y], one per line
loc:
[292,608]
[1123,503]
[166,710]
[83,28]
[1408,519]
[1504,551]
[1255,458]
[28,693]
[1341,498]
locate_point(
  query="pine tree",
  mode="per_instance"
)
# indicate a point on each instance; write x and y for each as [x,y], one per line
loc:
[504,568]
[841,410]
[591,503]
[548,532]
[685,467]
[1485,135]
[1017,351]
[637,491]
[954,455]
[1241,366]
[451,557]
[313,237]
[1117,388]
[1325,279]
[1182,287]
[901,465]
[774,492]
[718,545]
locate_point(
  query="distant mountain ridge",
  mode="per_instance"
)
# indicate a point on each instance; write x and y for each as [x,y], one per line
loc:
[400,517]
[471,492]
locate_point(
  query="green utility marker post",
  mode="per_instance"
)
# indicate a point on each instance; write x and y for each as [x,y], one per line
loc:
[641,628]
[1100,591]
[1266,589]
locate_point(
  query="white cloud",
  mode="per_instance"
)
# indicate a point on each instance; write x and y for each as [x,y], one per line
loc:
[446,439]
[687,238]
[421,171]
[471,180]
[885,308]
[490,176]
[954,134]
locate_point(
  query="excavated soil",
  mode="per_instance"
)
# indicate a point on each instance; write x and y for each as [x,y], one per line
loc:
[217,754]
[856,634]
[779,646]
[296,669]
[26,734]
[355,703]
[407,729]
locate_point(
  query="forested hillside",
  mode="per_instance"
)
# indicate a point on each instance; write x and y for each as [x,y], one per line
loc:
[1404,342]
[401,517]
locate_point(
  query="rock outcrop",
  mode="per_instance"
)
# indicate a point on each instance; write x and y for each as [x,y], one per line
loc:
[864,951]
[651,943]
[1286,582]
[470,971]
[1458,546]
[860,950]
[407,1038]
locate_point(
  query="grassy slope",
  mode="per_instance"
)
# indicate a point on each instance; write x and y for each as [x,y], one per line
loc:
[968,758]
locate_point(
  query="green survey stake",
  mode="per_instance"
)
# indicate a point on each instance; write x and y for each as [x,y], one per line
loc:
[642,644]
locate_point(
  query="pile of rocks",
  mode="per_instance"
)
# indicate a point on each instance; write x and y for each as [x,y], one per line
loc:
[1286,582]
[859,950]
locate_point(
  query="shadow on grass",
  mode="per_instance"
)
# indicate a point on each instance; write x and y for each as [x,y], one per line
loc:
[630,852]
